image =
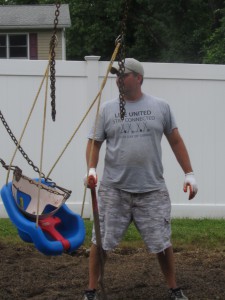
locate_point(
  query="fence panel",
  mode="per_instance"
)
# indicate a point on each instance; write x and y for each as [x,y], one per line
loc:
[195,93]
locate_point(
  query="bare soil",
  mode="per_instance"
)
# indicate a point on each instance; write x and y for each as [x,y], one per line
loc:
[133,274]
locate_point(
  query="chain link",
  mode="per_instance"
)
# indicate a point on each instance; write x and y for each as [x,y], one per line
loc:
[50,187]
[3,164]
[121,61]
[53,44]
[30,162]
[18,175]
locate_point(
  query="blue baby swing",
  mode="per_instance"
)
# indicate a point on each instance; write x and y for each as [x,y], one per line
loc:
[58,229]
[37,206]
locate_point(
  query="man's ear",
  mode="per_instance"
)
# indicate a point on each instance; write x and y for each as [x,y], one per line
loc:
[140,78]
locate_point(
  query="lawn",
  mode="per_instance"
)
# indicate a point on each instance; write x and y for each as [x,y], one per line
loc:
[186,234]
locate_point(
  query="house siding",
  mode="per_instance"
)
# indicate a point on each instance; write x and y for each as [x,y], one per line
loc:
[43,45]
[37,21]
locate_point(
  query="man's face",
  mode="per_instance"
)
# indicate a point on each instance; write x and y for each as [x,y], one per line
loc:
[131,82]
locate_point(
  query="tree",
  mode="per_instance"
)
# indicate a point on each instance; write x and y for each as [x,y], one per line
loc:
[214,46]
[95,26]
[157,30]
[190,31]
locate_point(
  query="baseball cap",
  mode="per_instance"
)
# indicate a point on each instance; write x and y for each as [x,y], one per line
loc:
[131,65]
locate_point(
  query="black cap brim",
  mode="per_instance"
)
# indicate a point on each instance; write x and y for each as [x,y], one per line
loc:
[113,70]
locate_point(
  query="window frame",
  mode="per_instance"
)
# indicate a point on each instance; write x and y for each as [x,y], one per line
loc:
[5,47]
[8,45]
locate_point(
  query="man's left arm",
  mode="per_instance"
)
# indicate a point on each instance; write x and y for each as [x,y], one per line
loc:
[177,144]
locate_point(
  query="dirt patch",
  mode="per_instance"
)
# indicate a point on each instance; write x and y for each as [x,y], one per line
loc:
[130,274]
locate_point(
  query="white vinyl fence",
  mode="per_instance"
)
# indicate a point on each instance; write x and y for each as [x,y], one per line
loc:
[195,93]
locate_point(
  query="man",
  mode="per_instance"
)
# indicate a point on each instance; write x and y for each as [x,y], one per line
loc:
[132,187]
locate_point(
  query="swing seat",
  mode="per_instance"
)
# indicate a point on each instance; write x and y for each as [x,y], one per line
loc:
[62,232]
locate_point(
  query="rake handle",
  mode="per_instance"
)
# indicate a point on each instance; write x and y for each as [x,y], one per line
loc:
[91,185]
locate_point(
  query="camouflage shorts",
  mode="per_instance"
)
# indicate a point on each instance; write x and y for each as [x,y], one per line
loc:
[150,213]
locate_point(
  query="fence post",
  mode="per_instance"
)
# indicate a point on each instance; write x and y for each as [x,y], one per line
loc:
[92,82]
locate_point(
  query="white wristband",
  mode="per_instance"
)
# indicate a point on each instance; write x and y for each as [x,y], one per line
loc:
[191,173]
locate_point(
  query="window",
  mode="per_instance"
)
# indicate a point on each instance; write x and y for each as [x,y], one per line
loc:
[3,47]
[13,46]
[18,46]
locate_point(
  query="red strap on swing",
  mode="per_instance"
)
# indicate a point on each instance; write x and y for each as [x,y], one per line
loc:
[48,225]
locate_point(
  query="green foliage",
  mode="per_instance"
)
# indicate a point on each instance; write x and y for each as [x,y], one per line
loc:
[214,45]
[94,28]
[157,30]
[188,31]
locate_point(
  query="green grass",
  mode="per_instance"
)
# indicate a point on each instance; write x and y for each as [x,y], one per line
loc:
[8,232]
[200,233]
[186,234]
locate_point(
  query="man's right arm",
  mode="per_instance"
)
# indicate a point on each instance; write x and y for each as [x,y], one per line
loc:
[92,156]
[92,153]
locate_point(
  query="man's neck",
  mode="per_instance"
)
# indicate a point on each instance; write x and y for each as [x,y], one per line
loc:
[133,98]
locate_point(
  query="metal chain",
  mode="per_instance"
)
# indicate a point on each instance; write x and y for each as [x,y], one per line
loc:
[50,188]
[121,61]
[30,162]
[18,175]
[53,43]
[3,164]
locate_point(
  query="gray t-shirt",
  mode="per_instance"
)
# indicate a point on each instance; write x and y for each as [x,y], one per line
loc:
[133,159]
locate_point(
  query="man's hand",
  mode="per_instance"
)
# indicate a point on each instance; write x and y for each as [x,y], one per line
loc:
[191,184]
[91,179]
